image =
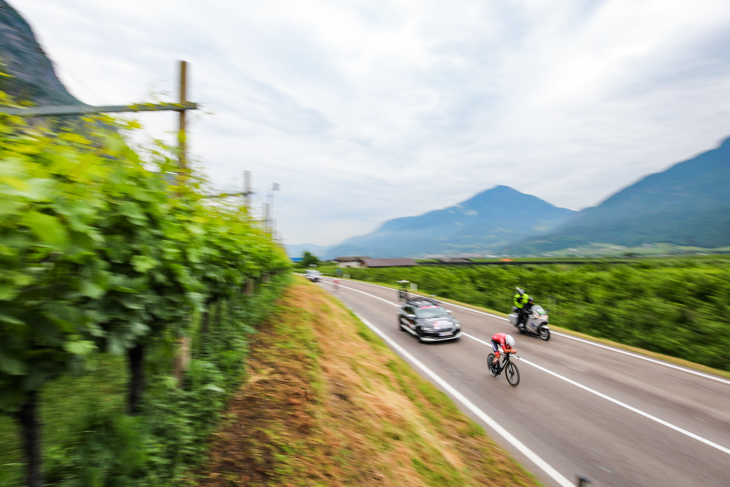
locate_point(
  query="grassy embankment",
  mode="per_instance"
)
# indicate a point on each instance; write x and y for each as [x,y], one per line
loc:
[327,403]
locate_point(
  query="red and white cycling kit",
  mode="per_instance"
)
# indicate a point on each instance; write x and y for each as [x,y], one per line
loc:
[499,339]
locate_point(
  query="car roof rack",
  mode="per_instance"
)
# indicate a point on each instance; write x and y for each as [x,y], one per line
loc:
[418,299]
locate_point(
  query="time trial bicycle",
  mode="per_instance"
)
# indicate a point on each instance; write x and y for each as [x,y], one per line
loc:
[511,372]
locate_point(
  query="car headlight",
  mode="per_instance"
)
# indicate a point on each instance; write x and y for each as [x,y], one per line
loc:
[426,328]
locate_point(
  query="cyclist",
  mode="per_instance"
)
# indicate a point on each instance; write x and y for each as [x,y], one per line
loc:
[502,341]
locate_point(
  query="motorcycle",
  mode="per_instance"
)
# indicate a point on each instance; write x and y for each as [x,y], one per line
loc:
[536,323]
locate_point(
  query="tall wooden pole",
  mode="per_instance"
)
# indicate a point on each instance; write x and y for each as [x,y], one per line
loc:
[247,188]
[182,358]
[182,159]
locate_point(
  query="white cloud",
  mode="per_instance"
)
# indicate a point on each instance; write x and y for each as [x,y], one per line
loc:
[370,110]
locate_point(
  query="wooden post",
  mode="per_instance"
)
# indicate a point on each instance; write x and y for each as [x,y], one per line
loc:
[181,136]
[247,189]
[182,357]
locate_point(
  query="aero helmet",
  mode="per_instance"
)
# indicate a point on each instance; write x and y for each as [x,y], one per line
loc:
[510,341]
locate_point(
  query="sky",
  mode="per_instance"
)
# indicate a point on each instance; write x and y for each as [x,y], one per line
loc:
[368,110]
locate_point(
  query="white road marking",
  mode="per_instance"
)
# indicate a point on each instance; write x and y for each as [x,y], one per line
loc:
[554,474]
[599,345]
[570,381]
[615,401]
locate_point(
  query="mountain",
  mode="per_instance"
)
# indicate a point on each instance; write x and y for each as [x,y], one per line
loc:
[32,75]
[688,204]
[481,224]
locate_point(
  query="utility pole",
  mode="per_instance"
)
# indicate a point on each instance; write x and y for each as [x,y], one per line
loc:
[269,208]
[247,189]
[181,135]
[266,215]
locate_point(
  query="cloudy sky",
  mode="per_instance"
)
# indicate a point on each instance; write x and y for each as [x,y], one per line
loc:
[366,110]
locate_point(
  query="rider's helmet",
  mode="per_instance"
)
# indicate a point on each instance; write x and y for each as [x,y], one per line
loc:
[520,291]
[509,341]
[530,300]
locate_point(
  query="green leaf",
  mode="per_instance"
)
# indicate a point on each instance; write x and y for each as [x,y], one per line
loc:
[11,320]
[139,329]
[91,290]
[132,210]
[8,292]
[143,263]
[79,347]
[12,366]
[47,228]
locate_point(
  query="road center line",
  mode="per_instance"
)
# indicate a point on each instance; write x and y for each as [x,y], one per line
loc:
[616,401]
[570,381]
[588,342]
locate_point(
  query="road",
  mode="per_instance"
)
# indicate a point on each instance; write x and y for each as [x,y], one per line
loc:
[581,408]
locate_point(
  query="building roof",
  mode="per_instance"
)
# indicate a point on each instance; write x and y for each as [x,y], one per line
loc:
[350,259]
[454,259]
[388,262]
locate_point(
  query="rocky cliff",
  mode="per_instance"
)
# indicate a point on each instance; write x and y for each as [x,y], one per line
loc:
[33,77]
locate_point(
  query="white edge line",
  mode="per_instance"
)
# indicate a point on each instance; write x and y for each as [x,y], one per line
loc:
[617,402]
[554,474]
[570,381]
[582,340]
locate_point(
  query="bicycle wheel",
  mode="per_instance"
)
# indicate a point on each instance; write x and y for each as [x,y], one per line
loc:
[512,374]
[490,357]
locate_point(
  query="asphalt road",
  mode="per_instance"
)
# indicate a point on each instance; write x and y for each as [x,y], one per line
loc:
[581,408]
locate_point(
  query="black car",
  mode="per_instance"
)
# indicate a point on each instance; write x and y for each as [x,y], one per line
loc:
[427,320]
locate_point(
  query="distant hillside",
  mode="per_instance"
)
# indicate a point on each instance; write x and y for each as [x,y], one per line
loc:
[298,249]
[482,224]
[688,204]
[33,77]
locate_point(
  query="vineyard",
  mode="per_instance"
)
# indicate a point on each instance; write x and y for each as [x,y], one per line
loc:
[676,307]
[113,261]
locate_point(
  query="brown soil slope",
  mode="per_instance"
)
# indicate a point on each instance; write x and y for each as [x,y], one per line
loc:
[327,403]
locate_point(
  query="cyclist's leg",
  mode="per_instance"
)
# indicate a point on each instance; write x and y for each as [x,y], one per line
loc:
[496,349]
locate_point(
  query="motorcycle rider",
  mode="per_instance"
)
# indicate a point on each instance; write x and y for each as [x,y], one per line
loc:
[521,301]
[506,342]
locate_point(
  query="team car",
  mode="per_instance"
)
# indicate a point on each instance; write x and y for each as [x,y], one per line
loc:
[427,320]
[313,275]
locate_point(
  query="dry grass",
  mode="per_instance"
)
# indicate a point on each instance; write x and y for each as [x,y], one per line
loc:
[326,403]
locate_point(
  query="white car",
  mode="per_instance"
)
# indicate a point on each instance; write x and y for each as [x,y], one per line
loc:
[313,275]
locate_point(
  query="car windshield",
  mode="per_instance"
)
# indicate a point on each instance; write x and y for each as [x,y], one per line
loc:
[431,312]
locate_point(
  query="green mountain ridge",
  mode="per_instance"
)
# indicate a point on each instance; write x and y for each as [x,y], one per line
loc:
[688,204]
[479,225]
